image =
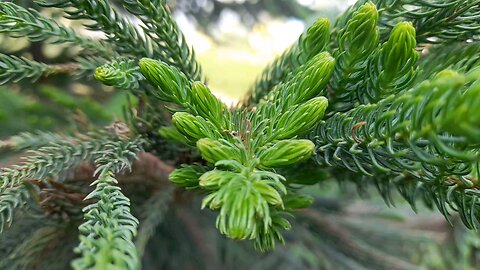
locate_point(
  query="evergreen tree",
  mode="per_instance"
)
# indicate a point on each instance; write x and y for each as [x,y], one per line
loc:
[386,96]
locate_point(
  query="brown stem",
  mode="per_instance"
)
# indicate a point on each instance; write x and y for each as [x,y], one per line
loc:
[67,68]
[152,167]
[146,168]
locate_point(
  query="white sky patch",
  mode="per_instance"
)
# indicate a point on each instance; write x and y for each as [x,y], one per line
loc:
[194,38]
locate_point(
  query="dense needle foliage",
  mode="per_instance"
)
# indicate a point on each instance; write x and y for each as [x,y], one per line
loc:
[388,95]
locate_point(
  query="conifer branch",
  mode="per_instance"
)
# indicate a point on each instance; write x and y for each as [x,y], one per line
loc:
[20,22]
[392,123]
[392,68]
[461,57]
[366,74]
[48,161]
[87,65]
[163,30]
[14,69]
[356,42]
[429,132]
[293,107]
[122,34]
[31,140]
[106,239]
[174,87]
[10,199]
[439,130]
[435,21]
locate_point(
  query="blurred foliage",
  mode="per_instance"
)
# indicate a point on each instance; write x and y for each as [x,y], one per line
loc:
[206,12]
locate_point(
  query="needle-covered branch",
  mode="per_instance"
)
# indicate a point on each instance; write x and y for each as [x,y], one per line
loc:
[163,30]
[20,22]
[106,236]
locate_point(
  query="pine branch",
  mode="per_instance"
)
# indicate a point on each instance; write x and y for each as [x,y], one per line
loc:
[432,123]
[172,86]
[163,30]
[461,57]
[20,22]
[392,68]
[87,65]
[14,69]
[429,132]
[106,239]
[28,140]
[356,42]
[446,193]
[309,44]
[10,199]
[48,161]
[121,33]
[293,108]
[435,21]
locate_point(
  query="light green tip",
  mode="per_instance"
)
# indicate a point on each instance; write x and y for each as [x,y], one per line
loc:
[107,75]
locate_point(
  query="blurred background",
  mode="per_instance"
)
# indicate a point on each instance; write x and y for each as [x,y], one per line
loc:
[235,39]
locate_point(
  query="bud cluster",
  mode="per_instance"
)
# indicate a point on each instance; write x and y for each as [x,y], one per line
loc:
[242,185]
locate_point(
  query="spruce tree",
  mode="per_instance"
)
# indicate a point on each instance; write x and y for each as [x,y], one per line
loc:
[386,96]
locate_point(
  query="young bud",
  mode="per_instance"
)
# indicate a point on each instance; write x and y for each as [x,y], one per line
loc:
[122,74]
[357,41]
[215,179]
[188,176]
[245,204]
[213,151]
[286,152]
[313,77]
[317,37]
[361,34]
[398,53]
[193,127]
[108,75]
[206,104]
[392,68]
[172,83]
[300,119]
